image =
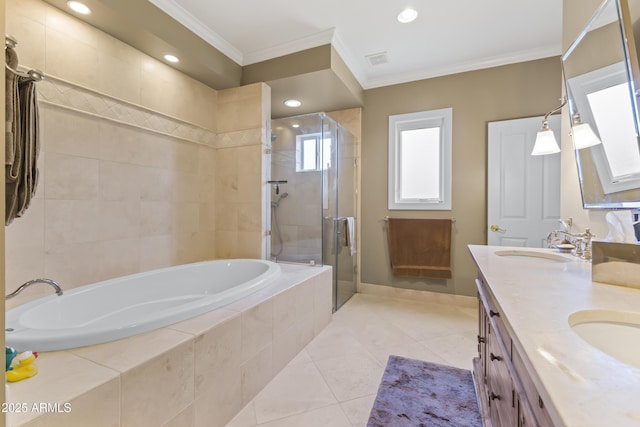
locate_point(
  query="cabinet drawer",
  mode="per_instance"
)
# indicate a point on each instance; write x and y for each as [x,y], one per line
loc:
[535,401]
[491,307]
[502,399]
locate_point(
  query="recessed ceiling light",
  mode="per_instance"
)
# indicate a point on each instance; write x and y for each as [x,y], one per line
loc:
[407,15]
[171,58]
[295,125]
[81,8]
[293,103]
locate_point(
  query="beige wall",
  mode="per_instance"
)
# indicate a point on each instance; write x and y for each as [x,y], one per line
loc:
[130,159]
[477,97]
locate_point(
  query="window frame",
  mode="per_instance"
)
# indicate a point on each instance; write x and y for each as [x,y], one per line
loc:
[441,118]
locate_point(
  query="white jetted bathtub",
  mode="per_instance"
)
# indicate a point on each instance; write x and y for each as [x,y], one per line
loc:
[130,305]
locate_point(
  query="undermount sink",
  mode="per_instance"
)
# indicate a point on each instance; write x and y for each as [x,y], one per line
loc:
[534,255]
[616,333]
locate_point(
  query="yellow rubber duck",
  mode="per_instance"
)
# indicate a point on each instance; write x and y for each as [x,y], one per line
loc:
[22,367]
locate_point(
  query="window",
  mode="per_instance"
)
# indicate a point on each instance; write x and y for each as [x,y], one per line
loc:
[312,152]
[602,97]
[420,160]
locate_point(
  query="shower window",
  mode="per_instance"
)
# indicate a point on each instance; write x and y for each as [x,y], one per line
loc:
[313,153]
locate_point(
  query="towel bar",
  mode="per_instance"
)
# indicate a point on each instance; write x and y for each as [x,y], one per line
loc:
[35,75]
[386,218]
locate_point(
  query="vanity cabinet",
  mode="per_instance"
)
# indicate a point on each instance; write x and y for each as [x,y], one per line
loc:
[506,393]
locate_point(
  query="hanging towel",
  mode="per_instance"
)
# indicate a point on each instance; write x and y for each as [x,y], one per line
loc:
[350,223]
[22,143]
[11,91]
[420,247]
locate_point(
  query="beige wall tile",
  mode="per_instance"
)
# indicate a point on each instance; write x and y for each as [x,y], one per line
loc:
[70,221]
[81,67]
[71,177]
[249,244]
[60,374]
[169,378]
[74,264]
[28,32]
[185,418]
[217,364]
[156,218]
[156,252]
[99,407]
[257,329]
[120,258]
[256,373]
[68,132]
[118,220]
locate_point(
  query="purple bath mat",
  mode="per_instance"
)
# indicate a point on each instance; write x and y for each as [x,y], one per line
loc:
[423,394]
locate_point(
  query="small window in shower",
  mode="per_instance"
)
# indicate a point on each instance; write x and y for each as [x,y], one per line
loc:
[313,153]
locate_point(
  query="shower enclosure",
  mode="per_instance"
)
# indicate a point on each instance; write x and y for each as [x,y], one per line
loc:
[313,197]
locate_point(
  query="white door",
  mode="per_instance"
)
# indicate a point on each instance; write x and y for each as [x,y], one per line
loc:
[523,201]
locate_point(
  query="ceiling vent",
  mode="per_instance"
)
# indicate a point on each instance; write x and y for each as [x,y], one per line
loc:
[378,58]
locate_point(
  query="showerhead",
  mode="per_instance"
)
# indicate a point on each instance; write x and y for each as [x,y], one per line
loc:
[277,202]
[273,137]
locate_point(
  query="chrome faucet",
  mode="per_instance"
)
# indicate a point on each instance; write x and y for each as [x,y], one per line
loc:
[582,241]
[31,282]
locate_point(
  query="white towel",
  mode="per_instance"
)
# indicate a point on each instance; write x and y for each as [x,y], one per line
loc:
[620,227]
[351,229]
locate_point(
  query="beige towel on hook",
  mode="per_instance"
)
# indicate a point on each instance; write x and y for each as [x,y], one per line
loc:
[11,91]
[22,144]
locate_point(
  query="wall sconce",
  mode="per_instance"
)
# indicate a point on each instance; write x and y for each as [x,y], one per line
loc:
[583,135]
[545,140]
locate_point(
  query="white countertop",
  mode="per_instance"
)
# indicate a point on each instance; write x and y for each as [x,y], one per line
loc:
[586,386]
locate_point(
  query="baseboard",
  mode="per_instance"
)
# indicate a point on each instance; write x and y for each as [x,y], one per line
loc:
[415,295]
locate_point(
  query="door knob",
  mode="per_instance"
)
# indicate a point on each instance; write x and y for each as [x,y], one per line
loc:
[496,228]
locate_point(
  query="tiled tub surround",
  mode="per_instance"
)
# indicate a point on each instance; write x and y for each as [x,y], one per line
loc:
[199,372]
[141,167]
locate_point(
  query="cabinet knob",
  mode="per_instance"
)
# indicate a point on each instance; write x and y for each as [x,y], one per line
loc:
[494,357]
[494,313]
[493,396]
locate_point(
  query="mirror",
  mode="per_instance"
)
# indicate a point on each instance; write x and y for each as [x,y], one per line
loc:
[601,73]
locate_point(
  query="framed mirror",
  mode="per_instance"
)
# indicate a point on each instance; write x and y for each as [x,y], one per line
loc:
[601,74]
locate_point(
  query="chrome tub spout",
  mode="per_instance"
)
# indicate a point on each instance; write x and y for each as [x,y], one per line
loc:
[31,282]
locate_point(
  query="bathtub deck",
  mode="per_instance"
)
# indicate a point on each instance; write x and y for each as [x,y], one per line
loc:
[198,372]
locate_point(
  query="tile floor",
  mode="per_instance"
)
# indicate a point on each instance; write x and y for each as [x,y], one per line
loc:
[334,380]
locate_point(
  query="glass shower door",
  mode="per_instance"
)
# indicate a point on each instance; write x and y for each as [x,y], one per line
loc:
[339,209]
[345,268]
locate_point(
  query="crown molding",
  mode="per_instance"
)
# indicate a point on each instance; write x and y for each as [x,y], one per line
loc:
[177,12]
[314,40]
[348,57]
[522,56]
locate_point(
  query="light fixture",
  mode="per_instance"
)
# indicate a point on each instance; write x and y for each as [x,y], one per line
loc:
[293,103]
[583,135]
[407,15]
[545,140]
[81,8]
[171,58]
[295,126]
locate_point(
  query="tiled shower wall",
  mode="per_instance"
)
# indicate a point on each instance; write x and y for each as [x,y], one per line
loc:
[130,165]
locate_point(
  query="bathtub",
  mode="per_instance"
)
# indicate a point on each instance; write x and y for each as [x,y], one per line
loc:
[129,305]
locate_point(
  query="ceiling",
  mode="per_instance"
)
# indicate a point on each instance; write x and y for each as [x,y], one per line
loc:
[317,50]
[447,37]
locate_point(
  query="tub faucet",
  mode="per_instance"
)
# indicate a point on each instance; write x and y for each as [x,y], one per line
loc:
[31,282]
